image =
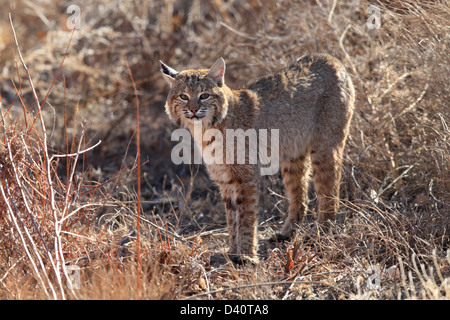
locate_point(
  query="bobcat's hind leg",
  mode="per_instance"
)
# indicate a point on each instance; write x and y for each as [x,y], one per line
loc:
[327,176]
[296,180]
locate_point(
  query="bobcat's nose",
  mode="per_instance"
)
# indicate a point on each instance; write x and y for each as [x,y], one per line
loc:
[194,109]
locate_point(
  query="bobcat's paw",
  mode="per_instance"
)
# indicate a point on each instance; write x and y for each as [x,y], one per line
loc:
[279,237]
[243,259]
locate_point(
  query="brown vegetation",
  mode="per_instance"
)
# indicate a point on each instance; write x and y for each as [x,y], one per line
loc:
[391,238]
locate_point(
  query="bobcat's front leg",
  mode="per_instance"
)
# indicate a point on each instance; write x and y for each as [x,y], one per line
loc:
[240,196]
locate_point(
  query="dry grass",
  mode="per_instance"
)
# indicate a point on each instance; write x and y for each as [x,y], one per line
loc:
[391,239]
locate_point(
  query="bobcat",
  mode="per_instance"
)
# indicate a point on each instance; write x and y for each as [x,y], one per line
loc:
[310,102]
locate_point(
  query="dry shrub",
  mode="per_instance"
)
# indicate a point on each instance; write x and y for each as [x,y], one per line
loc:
[395,187]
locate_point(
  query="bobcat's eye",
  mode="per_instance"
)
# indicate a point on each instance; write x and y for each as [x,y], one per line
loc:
[184,97]
[204,96]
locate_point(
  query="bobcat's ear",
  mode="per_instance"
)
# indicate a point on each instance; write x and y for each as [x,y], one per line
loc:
[168,73]
[217,71]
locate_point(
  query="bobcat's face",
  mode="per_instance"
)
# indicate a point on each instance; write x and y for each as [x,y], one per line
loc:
[196,95]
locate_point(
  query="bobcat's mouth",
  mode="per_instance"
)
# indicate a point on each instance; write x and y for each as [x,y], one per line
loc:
[196,117]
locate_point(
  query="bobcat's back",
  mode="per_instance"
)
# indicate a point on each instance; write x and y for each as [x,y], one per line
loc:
[312,93]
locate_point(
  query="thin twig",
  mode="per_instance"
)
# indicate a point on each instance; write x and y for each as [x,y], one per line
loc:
[138,166]
[76,153]
[330,16]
